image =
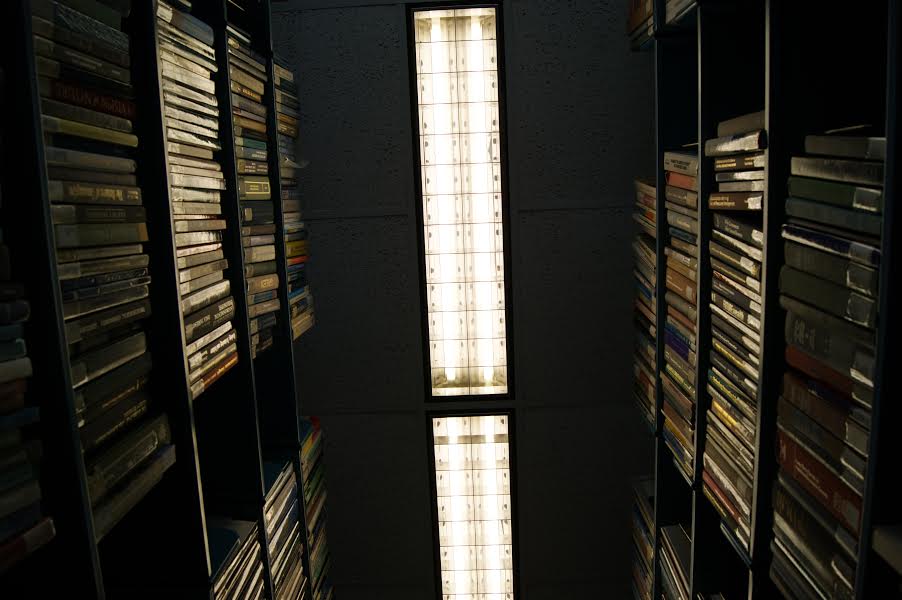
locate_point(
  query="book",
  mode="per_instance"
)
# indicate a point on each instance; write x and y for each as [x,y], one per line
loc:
[835,169]
[862,147]
[734,144]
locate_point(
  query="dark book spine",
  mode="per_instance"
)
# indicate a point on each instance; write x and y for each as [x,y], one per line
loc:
[835,169]
[820,549]
[836,351]
[822,405]
[732,472]
[834,299]
[733,295]
[858,252]
[681,286]
[858,221]
[836,454]
[734,259]
[729,389]
[746,318]
[738,229]
[833,268]
[119,416]
[732,339]
[838,194]
[815,478]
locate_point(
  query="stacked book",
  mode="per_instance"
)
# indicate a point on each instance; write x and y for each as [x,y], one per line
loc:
[247,75]
[87,109]
[191,114]
[314,473]
[236,560]
[640,22]
[643,537]
[23,526]
[828,287]
[287,107]
[681,276]
[736,251]
[676,556]
[281,512]
[646,299]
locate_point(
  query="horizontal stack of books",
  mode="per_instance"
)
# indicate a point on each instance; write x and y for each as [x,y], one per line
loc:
[236,560]
[87,108]
[283,530]
[681,275]
[247,74]
[287,109]
[314,472]
[676,558]
[23,526]
[191,110]
[646,300]
[828,287]
[643,537]
[736,251]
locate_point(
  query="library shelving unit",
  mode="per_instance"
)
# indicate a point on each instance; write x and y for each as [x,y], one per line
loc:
[811,69]
[224,438]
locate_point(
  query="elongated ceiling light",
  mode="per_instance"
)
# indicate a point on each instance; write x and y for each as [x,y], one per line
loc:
[460,167]
[473,493]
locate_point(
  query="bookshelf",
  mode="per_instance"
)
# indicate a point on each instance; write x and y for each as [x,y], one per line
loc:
[715,61]
[227,438]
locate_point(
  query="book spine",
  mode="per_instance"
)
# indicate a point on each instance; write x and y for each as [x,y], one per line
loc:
[740,201]
[747,142]
[834,169]
[681,286]
[836,300]
[745,232]
[816,479]
[826,266]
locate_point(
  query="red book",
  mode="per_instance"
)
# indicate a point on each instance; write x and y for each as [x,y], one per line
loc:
[725,502]
[681,285]
[79,95]
[686,182]
[820,481]
[814,368]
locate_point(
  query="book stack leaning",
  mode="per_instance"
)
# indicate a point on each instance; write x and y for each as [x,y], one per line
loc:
[643,537]
[681,276]
[236,560]
[313,469]
[284,530]
[191,114]
[23,525]
[828,287]
[675,560]
[247,76]
[287,106]
[646,300]
[88,108]
[736,252]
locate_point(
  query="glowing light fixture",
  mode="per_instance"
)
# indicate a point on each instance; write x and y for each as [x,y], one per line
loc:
[473,492]
[460,167]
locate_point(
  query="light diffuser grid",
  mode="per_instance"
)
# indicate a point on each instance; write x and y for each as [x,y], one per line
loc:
[473,492]
[460,165]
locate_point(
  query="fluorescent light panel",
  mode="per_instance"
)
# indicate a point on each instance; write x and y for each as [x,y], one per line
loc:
[473,491]
[460,165]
